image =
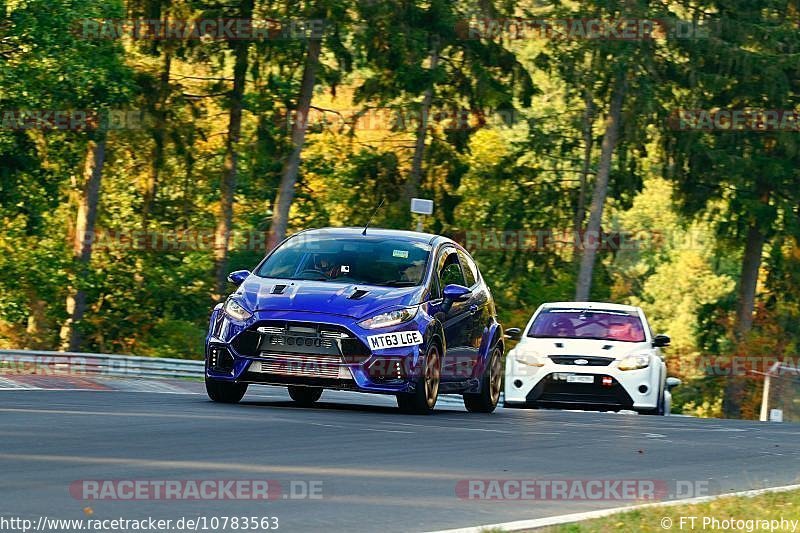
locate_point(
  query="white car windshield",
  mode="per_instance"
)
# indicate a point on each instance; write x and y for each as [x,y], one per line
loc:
[601,324]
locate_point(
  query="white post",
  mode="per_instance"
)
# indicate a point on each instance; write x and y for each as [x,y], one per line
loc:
[765,395]
[765,399]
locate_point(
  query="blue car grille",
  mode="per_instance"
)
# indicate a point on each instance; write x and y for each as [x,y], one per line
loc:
[301,338]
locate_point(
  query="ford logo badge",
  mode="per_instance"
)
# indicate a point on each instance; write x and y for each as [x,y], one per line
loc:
[581,362]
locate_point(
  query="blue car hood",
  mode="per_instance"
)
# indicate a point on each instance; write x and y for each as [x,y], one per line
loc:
[323,296]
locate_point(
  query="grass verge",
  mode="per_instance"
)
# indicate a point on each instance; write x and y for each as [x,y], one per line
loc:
[750,514]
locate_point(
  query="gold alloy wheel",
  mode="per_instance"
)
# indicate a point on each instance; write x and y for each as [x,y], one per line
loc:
[495,376]
[432,376]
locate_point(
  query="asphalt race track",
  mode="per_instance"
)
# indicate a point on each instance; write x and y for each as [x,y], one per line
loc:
[379,470]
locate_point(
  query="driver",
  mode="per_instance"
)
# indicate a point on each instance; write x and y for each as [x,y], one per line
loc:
[324,264]
[563,328]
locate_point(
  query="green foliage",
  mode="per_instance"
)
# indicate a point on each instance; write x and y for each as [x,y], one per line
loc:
[515,162]
[173,338]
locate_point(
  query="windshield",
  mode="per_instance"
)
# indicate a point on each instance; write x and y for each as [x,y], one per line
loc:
[624,326]
[365,260]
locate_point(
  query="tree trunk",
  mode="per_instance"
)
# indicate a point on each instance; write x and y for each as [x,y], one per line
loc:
[159,134]
[588,145]
[188,178]
[285,196]
[751,264]
[415,175]
[230,166]
[591,239]
[84,238]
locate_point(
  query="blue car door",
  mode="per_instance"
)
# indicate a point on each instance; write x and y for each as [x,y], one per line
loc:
[458,320]
[478,306]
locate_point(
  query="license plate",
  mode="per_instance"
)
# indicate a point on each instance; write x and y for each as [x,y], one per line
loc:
[298,344]
[397,339]
[577,378]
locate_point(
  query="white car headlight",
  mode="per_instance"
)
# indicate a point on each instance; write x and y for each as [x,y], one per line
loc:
[390,318]
[234,310]
[633,362]
[529,358]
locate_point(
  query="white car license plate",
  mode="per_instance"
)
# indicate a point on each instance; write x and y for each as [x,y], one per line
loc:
[577,378]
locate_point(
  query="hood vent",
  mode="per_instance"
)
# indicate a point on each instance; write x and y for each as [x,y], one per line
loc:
[278,289]
[358,294]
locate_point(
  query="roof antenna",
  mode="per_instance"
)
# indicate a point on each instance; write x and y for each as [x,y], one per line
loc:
[372,216]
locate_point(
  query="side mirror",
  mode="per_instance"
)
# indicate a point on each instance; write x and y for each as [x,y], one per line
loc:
[237,277]
[513,334]
[672,383]
[659,341]
[456,293]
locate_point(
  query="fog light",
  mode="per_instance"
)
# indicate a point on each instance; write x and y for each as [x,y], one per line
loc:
[387,370]
[643,389]
[517,383]
[220,359]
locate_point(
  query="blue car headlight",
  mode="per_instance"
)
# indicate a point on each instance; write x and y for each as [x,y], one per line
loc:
[390,318]
[235,310]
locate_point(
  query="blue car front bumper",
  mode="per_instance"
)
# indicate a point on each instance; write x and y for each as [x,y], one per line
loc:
[313,349]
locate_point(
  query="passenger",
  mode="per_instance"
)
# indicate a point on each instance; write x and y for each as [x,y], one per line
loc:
[624,332]
[413,272]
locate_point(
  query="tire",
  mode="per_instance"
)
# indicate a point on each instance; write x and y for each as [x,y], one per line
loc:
[304,396]
[225,391]
[423,399]
[485,401]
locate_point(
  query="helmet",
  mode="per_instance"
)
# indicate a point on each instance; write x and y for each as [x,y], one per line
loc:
[564,324]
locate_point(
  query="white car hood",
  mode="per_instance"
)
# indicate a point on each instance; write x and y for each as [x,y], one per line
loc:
[597,348]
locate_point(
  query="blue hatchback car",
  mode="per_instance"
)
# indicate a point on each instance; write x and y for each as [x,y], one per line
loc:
[376,310]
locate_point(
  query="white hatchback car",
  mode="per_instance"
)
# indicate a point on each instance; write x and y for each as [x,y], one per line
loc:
[588,355]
